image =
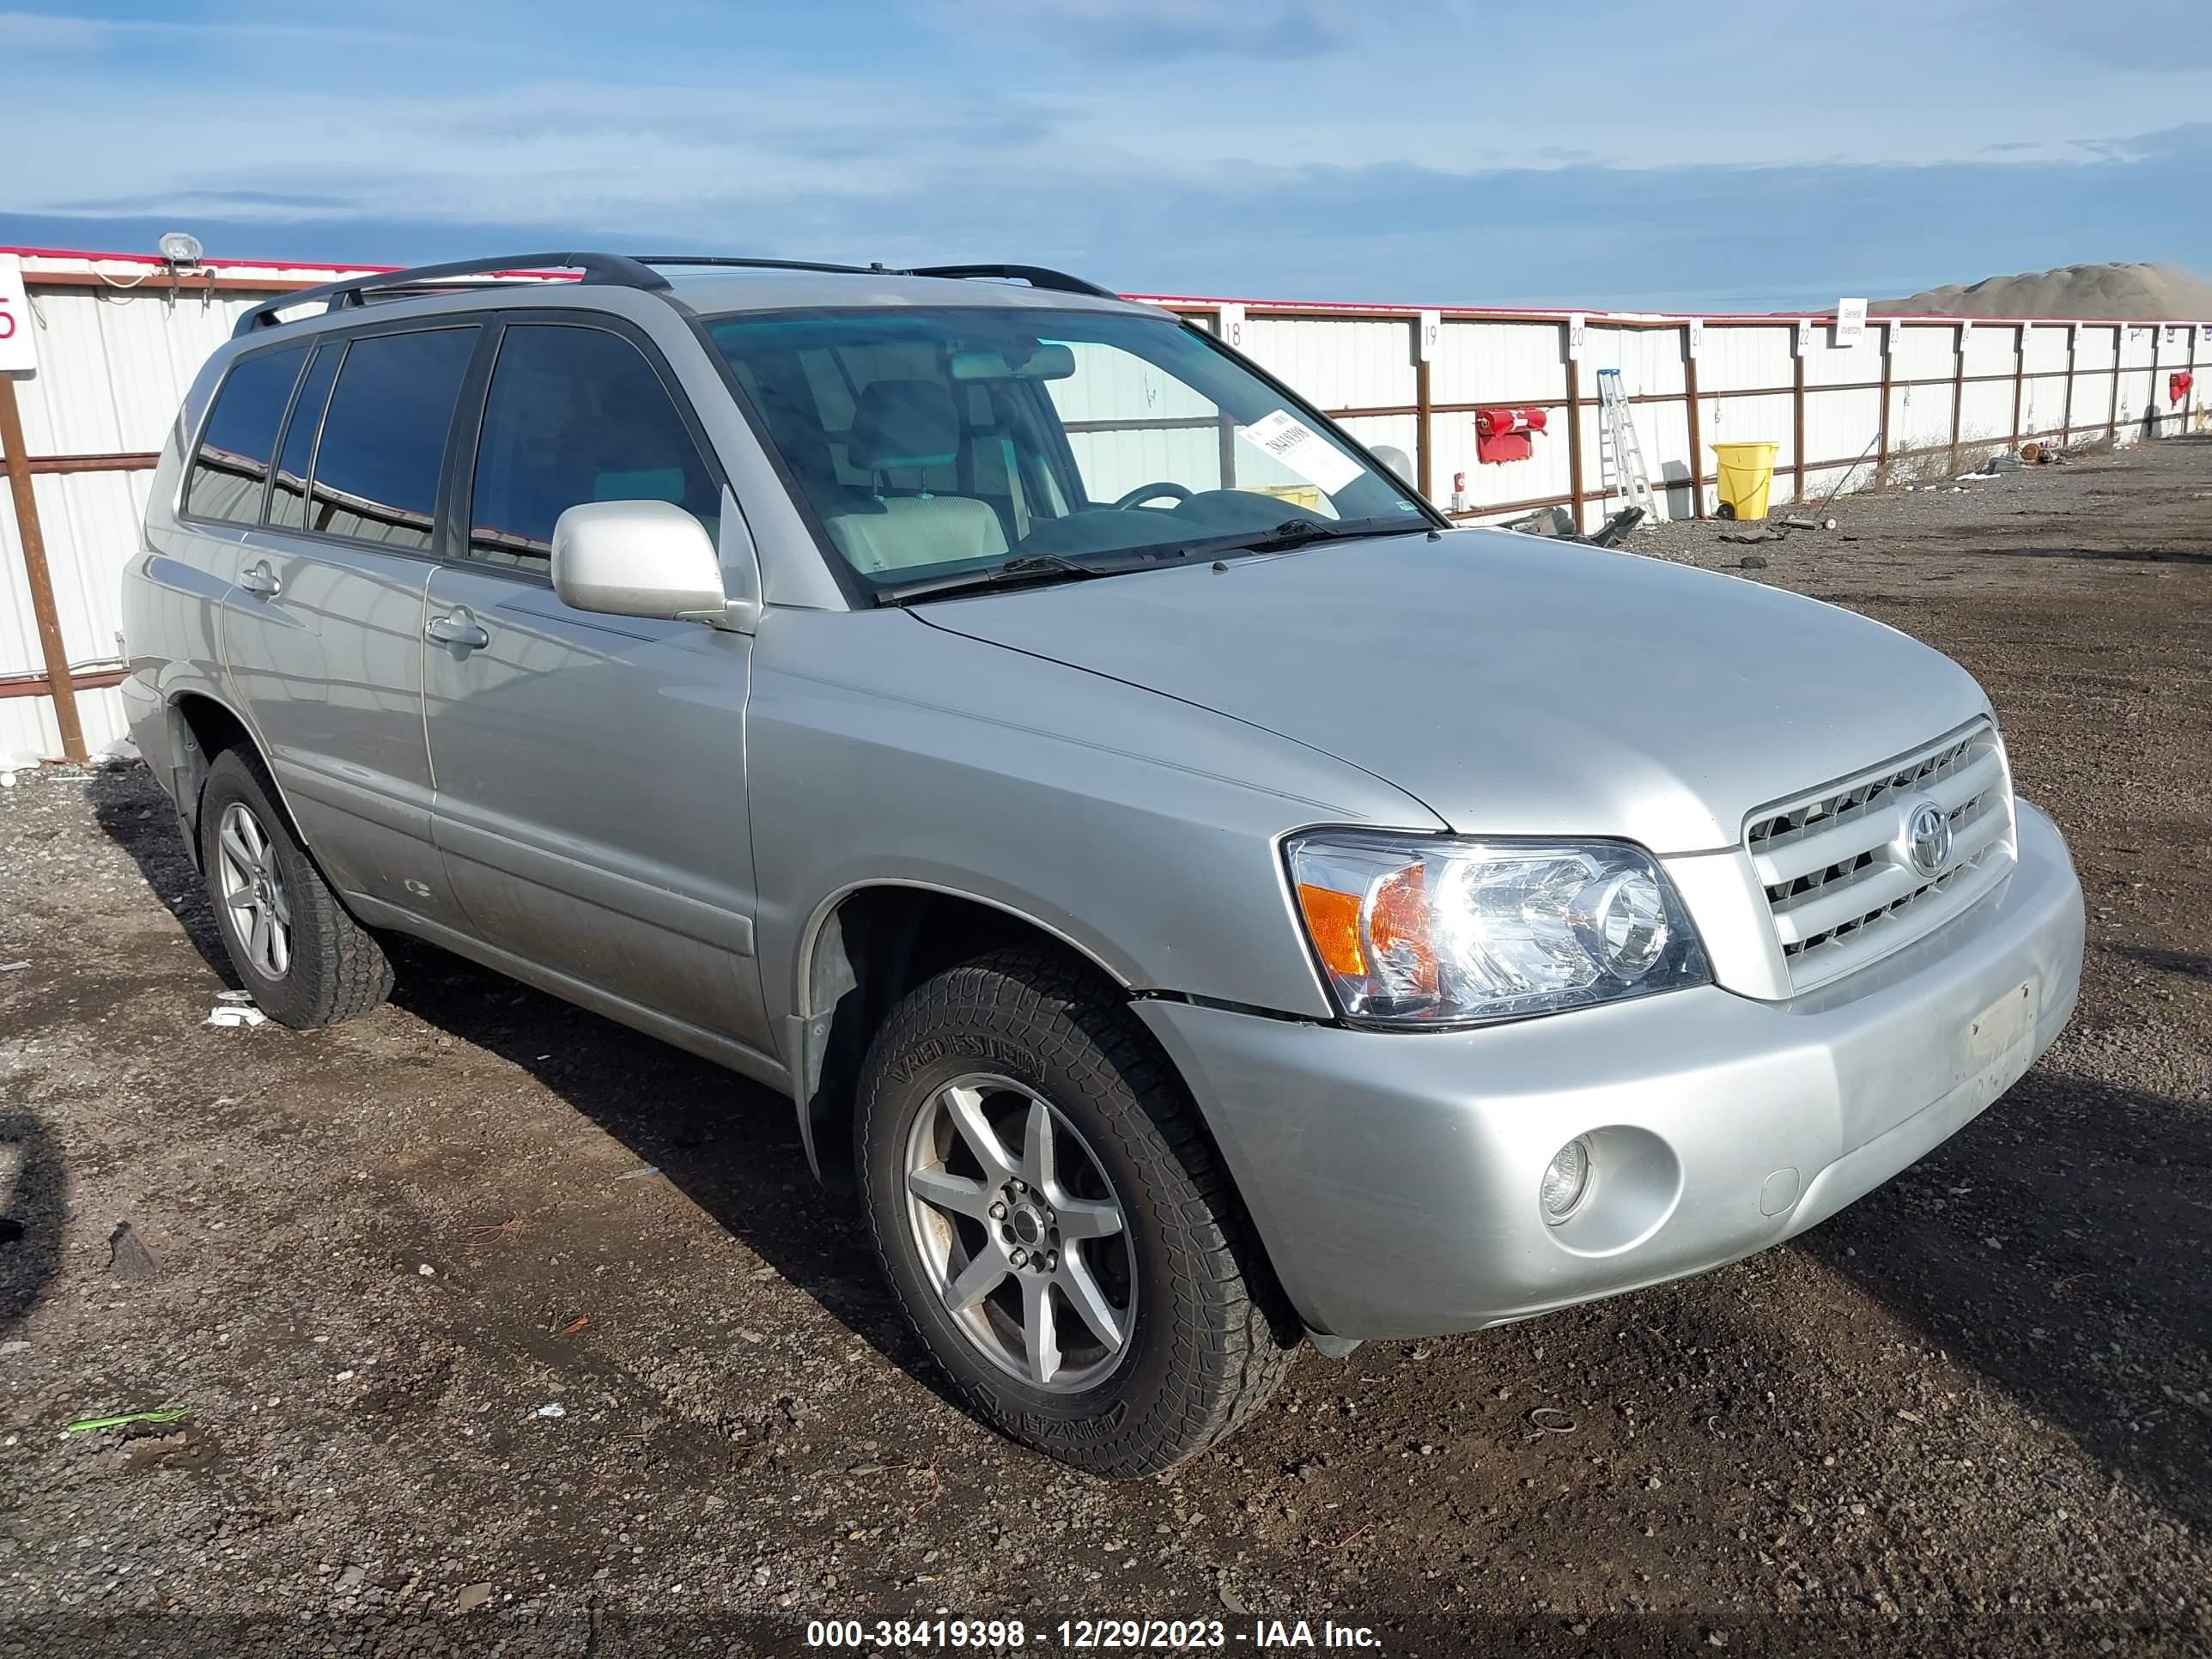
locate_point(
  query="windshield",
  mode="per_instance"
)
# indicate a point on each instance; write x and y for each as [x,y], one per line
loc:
[931,442]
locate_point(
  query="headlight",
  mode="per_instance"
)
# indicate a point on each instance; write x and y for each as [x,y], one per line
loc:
[1419,930]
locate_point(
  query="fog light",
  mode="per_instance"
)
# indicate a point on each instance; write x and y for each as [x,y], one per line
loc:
[1565,1181]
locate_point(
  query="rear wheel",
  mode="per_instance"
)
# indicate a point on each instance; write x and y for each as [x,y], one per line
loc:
[1055,1223]
[303,957]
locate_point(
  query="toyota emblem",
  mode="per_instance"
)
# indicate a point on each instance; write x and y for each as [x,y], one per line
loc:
[1928,838]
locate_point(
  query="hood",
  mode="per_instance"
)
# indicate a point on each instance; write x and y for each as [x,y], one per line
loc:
[1514,686]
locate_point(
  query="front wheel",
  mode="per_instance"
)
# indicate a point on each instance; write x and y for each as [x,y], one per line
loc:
[1054,1222]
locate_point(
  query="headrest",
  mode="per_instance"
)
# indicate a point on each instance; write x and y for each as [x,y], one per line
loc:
[904,423]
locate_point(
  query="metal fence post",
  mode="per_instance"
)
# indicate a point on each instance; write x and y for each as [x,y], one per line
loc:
[1697,436]
[2019,377]
[1422,447]
[1798,414]
[2066,420]
[1958,390]
[37,575]
[2196,340]
[2120,350]
[1574,424]
[1889,341]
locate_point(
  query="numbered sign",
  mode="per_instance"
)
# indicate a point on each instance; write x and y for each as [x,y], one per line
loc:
[1578,335]
[1232,327]
[1805,336]
[1693,334]
[19,351]
[1432,332]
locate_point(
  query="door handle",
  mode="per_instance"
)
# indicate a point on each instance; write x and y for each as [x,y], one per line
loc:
[259,578]
[456,628]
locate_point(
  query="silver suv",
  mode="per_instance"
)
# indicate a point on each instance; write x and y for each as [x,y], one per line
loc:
[1201,898]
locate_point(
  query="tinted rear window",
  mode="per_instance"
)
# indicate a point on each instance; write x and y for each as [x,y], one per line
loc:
[232,466]
[384,438]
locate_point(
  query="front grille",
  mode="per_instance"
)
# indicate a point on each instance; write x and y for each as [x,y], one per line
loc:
[1838,877]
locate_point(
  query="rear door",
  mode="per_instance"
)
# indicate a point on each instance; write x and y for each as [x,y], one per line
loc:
[324,635]
[195,555]
[590,768]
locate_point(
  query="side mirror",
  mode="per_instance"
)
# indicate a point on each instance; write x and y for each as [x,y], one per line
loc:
[637,559]
[1396,459]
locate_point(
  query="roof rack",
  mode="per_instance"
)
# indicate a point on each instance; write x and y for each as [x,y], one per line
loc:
[608,268]
[743,263]
[1035,276]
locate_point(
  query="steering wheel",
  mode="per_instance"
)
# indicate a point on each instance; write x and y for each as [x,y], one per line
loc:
[1144,493]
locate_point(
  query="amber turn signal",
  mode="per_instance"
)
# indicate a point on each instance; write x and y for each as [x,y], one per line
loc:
[1332,920]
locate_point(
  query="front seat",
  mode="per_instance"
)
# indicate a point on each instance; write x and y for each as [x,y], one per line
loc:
[901,424]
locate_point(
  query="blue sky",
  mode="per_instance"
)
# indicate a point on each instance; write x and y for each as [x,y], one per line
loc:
[1685,154]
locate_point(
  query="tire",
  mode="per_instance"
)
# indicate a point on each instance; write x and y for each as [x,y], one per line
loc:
[325,966]
[1203,1342]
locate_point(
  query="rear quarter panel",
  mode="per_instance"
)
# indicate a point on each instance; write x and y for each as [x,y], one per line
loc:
[172,597]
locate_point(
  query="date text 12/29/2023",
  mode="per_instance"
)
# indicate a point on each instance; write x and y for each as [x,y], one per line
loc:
[1089,1635]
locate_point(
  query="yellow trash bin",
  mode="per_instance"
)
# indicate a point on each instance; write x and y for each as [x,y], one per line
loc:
[1746,477]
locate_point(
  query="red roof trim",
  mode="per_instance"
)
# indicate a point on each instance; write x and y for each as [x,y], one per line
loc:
[1526,314]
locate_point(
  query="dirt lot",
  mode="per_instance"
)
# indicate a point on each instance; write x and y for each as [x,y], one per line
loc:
[1970,1414]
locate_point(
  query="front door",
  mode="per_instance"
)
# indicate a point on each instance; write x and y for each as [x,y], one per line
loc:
[590,770]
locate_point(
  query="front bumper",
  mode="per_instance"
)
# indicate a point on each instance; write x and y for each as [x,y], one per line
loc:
[1393,1176]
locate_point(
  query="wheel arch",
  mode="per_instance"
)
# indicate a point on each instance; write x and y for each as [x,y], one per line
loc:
[863,948]
[201,727]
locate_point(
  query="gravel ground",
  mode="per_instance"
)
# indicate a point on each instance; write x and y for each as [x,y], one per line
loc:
[502,1328]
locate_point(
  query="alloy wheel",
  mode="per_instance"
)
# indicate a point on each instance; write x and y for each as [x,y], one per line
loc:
[1021,1233]
[253,891]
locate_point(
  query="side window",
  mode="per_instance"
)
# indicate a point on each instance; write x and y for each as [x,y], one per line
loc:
[576,415]
[383,439]
[288,492]
[232,464]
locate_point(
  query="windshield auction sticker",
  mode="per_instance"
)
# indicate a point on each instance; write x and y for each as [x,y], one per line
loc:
[1304,451]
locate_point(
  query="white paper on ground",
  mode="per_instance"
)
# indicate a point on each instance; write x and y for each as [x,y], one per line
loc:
[1301,449]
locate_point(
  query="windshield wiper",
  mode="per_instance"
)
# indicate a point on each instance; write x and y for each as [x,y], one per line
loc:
[1298,532]
[1025,569]
[1018,572]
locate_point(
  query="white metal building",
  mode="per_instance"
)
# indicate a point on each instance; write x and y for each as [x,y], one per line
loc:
[116,339]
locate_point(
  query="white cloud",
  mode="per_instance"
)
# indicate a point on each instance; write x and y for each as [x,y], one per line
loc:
[1160,29]
[45,32]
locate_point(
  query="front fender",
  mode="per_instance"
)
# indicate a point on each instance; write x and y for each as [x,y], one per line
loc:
[1142,830]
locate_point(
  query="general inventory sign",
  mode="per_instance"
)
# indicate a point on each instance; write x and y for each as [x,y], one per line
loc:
[18,342]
